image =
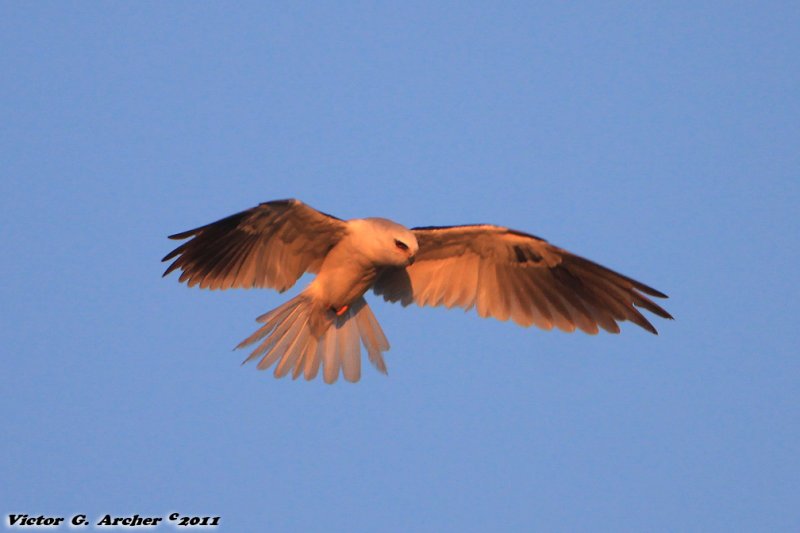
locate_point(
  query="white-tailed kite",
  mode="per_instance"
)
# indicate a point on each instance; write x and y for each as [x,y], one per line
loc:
[501,272]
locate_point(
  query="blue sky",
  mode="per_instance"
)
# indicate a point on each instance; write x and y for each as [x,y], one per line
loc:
[660,140]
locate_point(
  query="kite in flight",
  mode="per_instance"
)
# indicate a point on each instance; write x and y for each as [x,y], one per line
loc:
[501,272]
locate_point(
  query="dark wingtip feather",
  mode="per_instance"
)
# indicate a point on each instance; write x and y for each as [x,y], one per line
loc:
[637,318]
[171,267]
[172,254]
[665,314]
[183,235]
[646,303]
[649,290]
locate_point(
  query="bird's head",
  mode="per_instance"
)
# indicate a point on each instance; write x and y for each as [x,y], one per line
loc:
[387,243]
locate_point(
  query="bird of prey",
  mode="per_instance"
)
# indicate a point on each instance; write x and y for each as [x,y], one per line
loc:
[502,273]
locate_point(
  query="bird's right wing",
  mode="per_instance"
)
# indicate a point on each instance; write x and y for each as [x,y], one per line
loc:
[270,245]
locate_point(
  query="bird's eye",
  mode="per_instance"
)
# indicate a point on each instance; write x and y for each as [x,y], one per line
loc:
[400,244]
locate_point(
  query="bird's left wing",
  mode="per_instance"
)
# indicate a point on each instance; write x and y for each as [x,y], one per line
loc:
[509,274]
[270,245]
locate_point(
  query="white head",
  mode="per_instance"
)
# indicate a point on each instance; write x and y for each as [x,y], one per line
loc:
[384,242]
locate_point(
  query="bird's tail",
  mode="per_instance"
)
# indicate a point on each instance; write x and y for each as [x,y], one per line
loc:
[301,335]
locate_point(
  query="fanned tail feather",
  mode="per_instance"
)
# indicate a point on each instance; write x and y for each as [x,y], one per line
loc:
[300,336]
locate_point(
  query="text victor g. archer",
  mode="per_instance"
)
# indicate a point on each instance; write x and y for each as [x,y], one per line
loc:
[108,520]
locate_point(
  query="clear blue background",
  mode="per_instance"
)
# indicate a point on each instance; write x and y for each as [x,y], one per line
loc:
[660,140]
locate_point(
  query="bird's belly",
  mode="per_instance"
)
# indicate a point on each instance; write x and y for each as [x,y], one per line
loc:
[341,286]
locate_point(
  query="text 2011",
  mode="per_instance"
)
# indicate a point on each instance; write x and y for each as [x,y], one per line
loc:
[189,521]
